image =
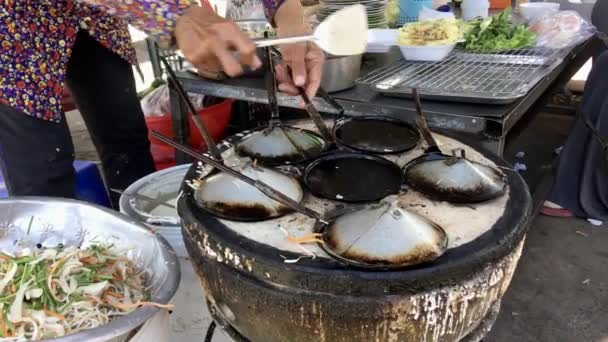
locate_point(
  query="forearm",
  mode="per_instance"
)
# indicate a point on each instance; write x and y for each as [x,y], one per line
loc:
[289,18]
[156,18]
[282,11]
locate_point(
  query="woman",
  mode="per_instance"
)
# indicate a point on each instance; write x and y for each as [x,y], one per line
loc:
[45,45]
[581,187]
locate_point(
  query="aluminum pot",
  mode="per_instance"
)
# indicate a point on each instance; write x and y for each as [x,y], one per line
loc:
[340,72]
[48,222]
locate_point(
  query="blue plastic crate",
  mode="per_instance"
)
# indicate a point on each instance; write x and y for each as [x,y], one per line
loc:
[89,184]
[3,191]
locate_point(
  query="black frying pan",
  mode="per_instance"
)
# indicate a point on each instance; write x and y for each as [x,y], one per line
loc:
[376,134]
[353,177]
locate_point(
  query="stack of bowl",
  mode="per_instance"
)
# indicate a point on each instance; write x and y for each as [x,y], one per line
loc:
[375,10]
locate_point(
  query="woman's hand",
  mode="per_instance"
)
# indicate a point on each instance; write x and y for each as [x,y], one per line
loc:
[304,59]
[208,42]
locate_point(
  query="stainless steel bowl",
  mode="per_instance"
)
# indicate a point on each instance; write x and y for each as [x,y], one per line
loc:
[340,72]
[31,222]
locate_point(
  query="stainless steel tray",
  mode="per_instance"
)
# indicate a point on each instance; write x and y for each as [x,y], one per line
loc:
[466,77]
[47,222]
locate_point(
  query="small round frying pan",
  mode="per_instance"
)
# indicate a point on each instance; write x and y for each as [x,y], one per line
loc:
[382,236]
[451,178]
[228,197]
[280,145]
[454,178]
[353,177]
[376,134]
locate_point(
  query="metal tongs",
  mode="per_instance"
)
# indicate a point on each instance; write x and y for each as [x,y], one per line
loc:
[310,108]
[263,187]
[217,160]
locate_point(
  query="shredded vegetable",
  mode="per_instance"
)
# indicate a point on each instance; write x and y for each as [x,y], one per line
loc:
[56,292]
[431,32]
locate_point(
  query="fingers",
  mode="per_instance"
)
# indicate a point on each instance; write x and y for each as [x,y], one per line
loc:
[294,55]
[285,82]
[244,46]
[314,60]
[214,44]
[228,61]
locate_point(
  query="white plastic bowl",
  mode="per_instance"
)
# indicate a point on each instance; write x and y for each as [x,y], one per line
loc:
[532,10]
[430,53]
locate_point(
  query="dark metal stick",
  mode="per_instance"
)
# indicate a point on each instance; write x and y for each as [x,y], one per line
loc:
[213,149]
[271,86]
[329,99]
[423,127]
[144,198]
[310,108]
[263,187]
[316,117]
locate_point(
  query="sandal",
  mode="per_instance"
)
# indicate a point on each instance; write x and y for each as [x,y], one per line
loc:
[555,212]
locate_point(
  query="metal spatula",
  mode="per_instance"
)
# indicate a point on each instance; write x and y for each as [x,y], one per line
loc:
[343,33]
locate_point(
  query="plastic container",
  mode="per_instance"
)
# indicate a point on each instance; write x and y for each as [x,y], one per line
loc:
[431,53]
[533,10]
[499,4]
[89,184]
[3,189]
[216,119]
[410,9]
[472,9]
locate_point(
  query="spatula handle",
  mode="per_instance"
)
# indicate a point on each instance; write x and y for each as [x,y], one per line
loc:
[279,41]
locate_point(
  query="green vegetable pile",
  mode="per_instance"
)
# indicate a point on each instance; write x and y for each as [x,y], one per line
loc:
[497,34]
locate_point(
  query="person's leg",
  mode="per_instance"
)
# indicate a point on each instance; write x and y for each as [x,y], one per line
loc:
[103,88]
[579,185]
[36,156]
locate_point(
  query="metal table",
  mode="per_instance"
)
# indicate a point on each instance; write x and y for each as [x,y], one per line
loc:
[492,125]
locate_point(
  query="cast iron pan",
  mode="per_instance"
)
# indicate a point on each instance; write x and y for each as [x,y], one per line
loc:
[421,254]
[298,157]
[376,134]
[353,177]
[456,193]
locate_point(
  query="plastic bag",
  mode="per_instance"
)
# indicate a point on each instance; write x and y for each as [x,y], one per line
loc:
[562,30]
[158,102]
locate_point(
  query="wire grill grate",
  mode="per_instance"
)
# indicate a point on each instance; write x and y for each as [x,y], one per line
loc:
[497,78]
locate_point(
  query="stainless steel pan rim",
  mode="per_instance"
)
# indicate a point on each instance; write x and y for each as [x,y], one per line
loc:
[166,280]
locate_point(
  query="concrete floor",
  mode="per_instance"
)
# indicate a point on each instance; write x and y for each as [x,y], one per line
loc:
[560,289]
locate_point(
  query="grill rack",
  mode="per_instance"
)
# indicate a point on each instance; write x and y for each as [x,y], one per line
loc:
[467,77]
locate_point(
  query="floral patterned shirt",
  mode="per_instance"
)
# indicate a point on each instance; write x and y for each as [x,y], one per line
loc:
[37,36]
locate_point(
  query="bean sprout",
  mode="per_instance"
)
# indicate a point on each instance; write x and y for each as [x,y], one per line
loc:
[56,292]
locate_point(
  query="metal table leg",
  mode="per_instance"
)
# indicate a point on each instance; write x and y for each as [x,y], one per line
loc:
[181,127]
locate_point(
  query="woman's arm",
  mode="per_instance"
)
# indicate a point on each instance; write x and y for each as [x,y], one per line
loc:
[156,18]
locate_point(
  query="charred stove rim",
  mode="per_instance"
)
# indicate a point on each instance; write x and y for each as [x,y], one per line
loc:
[332,277]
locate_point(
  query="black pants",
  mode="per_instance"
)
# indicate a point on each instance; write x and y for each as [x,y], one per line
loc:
[36,156]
